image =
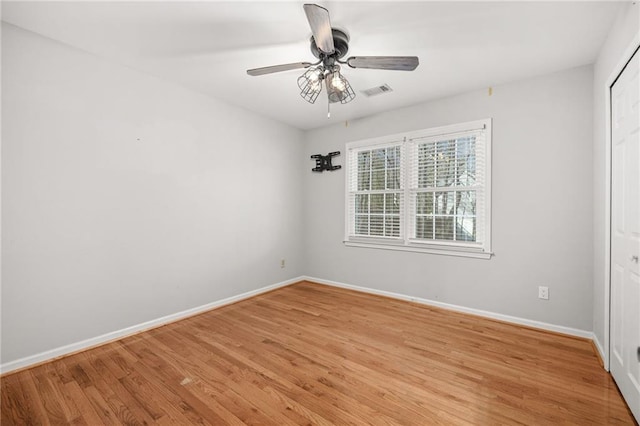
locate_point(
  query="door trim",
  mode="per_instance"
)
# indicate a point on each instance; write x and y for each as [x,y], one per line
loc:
[617,70]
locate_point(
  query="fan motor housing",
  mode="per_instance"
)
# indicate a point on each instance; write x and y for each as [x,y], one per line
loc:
[340,44]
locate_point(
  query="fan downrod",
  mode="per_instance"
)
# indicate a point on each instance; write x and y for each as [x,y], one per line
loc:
[340,44]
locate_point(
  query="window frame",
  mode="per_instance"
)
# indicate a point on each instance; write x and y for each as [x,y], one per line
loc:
[480,250]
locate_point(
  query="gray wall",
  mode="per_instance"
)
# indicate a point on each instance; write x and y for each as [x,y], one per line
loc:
[542,205]
[622,33]
[126,198]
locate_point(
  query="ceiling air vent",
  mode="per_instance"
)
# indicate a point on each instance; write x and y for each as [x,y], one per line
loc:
[377,90]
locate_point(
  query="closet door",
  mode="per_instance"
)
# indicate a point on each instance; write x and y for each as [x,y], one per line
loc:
[625,233]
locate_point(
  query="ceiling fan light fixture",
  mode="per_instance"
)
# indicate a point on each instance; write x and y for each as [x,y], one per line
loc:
[310,84]
[329,45]
[338,88]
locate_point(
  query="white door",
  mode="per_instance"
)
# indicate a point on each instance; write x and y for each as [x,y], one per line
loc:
[625,233]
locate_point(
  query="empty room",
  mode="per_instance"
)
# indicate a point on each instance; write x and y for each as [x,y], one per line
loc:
[347,212]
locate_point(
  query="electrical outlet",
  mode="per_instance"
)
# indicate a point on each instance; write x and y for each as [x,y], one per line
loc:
[282,263]
[543,293]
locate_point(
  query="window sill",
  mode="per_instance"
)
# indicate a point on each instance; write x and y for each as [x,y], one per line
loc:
[445,251]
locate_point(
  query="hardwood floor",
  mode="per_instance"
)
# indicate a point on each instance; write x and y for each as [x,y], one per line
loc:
[311,354]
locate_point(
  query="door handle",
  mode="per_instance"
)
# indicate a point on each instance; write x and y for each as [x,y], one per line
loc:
[634,259]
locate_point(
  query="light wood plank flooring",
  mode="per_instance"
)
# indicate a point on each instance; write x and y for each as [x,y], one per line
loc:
[311,354]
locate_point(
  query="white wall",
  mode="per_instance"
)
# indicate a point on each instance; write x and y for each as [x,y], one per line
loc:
[542,205]
[623,32]
[126,198]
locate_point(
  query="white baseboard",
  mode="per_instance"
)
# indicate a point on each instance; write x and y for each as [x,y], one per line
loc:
[487,314]
[600,350]
[119,334]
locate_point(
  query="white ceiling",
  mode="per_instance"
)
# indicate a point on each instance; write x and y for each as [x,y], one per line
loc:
[207,46]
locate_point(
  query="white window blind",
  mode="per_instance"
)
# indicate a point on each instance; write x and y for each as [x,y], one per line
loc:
[447,188]
[376,192]
[423,191]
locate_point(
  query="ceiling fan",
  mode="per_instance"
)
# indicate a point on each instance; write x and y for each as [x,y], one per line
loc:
[329,46]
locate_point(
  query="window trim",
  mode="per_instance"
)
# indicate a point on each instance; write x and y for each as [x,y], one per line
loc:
[404,243]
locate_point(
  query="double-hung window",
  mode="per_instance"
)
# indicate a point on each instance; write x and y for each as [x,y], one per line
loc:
[428,191]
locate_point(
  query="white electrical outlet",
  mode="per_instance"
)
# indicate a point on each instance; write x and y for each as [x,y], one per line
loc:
[543,293]
[282,263]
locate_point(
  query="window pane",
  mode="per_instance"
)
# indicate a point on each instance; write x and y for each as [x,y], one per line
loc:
[377,179]
[364,170]
[362,225]
[364,158]
[445,163]
[445,202]
[378,171]
[393,157]
[466,163]
[444,227]
[393,179]
[377,225]
[465,203]
[378,158]
[426,165]
[392,203]
[393,168]
[424,227]
[465,228]
[392,226]
[377,203]
[364,181]
[362,203]
[424,203]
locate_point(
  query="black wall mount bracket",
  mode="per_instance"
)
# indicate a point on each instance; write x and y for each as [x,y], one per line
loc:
[323,162]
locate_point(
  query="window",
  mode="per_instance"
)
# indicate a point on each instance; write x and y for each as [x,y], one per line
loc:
[379,192]
[422,191]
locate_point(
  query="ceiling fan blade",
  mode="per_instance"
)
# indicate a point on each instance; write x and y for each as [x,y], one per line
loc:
[320,24]
[400,63]
[278,68]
